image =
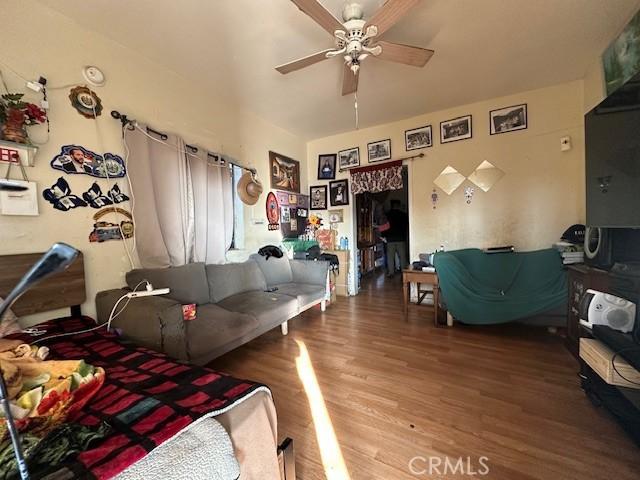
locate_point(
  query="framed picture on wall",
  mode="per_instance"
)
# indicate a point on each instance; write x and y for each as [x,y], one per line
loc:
[418,138]
[349,158]
[339,193]
[379,151]
[318,194]
[455,129]
[327,166]
[284,172]
[508,119]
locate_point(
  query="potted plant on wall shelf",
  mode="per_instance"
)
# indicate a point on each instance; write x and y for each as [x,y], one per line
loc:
[16,115]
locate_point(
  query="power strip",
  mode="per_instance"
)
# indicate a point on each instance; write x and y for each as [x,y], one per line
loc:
[148,293]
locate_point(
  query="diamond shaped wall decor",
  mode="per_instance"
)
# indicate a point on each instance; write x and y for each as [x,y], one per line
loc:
[449,180]
[486,175]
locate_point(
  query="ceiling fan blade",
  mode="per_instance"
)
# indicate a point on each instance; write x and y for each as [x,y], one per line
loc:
[389,14]
[396,52]
[303,62]
[319,14]
[349,81]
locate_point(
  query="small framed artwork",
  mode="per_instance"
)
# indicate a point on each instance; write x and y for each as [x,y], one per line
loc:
[379,151]
[455,129]
[339,193]
[336,216]
[349,158]
[285,173]
[418,138]
[318,196]
[327,166]
[508,119]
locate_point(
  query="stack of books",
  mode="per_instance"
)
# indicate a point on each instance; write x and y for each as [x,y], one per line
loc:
[570,252]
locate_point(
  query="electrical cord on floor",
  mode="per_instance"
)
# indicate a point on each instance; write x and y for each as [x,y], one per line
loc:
[615,369]
[112,316]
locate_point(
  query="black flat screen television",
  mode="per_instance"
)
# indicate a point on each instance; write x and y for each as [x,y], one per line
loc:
[612,147]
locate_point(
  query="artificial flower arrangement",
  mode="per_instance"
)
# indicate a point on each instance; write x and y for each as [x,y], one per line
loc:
[315,221]
[16,115]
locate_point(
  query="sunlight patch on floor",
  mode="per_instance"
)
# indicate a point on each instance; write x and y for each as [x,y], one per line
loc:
[332,459]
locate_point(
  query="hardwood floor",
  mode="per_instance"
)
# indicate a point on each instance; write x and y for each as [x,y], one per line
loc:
[397,389]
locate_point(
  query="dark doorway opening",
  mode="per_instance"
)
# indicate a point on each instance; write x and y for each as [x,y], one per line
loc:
[382,226]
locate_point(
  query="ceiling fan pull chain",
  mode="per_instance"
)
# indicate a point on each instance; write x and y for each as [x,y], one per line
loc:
[356,108]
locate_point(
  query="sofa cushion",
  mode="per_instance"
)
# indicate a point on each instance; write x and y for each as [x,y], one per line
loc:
[234,278]
[275,270]
[214,327]
[304,292]
[188,283]
[267,308]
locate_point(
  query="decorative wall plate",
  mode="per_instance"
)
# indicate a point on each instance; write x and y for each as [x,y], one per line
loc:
[86,102]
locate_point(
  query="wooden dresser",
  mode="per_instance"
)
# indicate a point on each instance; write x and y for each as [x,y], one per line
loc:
[581,278]
[342,280]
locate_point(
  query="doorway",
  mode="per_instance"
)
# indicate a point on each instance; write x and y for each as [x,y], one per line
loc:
[382,227]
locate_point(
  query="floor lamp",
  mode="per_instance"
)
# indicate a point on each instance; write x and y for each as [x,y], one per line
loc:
[57,259]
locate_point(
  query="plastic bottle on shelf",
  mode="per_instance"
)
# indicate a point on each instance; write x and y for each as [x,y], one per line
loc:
[346,243]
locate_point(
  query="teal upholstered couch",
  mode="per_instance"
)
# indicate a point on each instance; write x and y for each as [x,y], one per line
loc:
[481,288]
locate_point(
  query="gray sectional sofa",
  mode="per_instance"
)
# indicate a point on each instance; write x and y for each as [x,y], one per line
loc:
[234,304]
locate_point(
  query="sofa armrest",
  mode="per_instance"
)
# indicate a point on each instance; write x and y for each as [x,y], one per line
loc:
[152,322]
[311,272]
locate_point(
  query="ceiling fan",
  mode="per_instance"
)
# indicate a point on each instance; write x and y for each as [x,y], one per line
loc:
[357,39]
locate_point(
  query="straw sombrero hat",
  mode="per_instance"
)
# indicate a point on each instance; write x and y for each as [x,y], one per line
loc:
[249,188]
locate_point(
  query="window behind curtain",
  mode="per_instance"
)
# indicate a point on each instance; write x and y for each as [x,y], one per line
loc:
[237,241]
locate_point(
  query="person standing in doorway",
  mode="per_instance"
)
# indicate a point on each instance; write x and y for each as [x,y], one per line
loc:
[396,238]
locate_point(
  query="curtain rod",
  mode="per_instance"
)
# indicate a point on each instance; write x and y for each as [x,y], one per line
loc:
[125,121]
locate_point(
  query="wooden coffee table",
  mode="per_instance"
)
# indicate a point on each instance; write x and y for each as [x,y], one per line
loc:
[420,277]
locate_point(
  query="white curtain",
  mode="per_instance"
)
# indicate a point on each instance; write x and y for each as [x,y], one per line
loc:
[213,206]
[179,201]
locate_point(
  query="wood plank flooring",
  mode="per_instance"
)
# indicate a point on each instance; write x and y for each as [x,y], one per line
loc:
[397,389]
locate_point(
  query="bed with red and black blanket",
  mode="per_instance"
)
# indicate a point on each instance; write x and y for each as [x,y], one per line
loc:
[147,401]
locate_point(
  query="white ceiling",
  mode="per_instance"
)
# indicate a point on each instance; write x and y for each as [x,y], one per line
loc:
[484,49]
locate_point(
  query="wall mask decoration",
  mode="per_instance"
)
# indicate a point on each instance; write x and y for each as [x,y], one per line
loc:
[77,159]
[103,230]
[468,194]
[116,195]
[449,180]
[60,196]
[486,175]
[95,198]
[284,172]
[273,212]
[86,102]
[434,198]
